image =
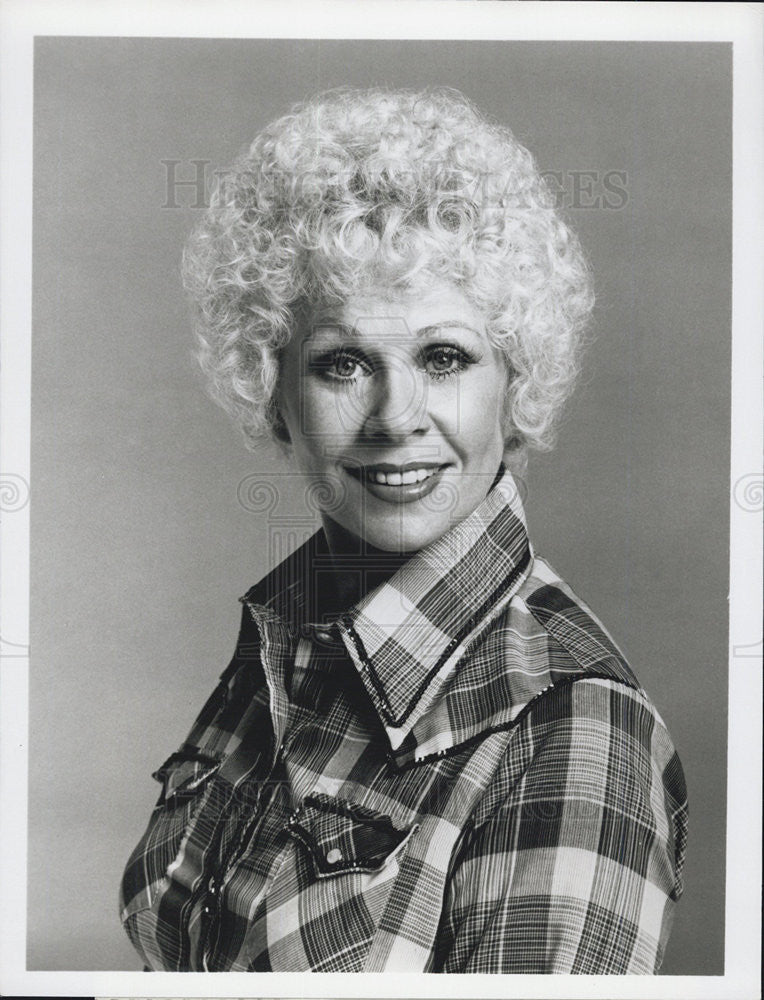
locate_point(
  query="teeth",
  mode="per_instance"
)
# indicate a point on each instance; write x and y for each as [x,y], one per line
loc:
[400,478]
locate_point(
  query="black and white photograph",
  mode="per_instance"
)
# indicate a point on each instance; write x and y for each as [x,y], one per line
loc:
[381,499]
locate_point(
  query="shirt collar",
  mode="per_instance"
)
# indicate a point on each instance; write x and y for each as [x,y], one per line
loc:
[406,636]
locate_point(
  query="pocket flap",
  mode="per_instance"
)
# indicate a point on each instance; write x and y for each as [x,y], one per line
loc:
[344,837]
[184,772]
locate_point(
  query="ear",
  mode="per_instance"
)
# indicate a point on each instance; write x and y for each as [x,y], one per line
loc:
[516,455]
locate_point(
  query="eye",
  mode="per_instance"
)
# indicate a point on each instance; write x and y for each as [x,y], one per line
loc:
[344,366]
[341,365]
[443,360]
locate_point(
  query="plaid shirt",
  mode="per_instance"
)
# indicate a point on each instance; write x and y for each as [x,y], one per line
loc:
[460,774]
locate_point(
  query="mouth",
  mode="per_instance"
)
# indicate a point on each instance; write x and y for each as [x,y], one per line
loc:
[398,483]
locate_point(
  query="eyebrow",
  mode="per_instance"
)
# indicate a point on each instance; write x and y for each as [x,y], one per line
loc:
[453,324]
[424,331]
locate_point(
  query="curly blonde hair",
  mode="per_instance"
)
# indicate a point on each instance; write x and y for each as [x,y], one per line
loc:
[357,188]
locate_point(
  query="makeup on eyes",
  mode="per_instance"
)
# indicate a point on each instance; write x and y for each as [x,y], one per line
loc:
[340,353]
[440,360]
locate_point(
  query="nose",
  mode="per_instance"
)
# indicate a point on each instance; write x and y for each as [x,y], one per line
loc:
[398,406]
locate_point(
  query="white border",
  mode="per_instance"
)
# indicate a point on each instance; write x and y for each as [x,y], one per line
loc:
[740,24]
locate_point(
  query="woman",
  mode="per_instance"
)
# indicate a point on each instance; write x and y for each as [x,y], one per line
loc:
[426,753]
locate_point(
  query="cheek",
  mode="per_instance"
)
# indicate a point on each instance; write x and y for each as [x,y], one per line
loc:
[479,410]
[324,421]
[322,413]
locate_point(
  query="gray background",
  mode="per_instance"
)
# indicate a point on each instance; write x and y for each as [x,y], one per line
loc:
[140,541]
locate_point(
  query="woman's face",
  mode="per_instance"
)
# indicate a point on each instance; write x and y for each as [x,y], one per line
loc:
[395,400]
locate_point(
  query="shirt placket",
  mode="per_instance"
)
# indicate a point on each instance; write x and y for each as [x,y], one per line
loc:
[276,643]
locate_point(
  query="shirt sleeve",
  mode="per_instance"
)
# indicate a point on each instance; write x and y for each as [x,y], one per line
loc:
[573,863]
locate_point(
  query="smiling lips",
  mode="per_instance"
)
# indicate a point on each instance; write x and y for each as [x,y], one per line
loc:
[400,478]
[395,475]
[398,483]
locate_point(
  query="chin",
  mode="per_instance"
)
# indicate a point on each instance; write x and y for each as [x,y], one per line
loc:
[401,538]
[395,546]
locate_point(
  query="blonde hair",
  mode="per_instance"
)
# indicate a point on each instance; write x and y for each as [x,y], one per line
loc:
[356,188]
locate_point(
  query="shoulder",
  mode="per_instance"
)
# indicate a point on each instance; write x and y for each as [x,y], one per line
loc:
[541,639]
[597,723]
[574,631]
[544,636]
[579,840]
[579,647]
[591,767]
[569,697]
[607,697]
[592,737]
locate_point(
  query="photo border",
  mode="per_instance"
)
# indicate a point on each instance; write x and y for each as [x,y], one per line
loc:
[740,24]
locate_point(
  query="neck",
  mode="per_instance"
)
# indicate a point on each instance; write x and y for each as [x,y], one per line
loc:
[359,567]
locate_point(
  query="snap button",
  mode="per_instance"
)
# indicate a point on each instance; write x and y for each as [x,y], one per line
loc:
[333,856]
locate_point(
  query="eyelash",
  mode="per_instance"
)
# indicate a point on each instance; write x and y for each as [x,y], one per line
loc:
[457,354]
[324,363]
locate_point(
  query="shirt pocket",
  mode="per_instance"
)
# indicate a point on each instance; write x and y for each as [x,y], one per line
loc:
[326,900]
[184,778]
[341,837]
[184,775]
